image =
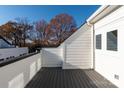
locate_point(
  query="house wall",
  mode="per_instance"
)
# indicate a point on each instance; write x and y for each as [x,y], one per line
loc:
[78,50]
[18,74]
[52,57]
[110,63]
[7,52]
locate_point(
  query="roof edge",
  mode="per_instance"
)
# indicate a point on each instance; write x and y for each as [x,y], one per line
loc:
[5,40]
[101,13]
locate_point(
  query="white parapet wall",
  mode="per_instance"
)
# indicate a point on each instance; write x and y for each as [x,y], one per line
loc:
[18,74]
[7,52]
[52,57]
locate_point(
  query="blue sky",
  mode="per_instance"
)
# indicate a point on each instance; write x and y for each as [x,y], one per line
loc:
[46,12]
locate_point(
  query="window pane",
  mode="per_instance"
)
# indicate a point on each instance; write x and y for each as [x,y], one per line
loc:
[98,41]
[112,40]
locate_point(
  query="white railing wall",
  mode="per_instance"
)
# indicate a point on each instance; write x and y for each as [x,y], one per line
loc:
[52,57]
[19,73]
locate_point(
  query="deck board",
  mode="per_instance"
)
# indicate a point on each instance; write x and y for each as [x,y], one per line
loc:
[72,78]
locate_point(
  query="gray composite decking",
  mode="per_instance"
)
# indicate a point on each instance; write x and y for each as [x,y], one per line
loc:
[72,78]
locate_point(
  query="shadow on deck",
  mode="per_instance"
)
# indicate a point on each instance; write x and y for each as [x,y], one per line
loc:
[72,78]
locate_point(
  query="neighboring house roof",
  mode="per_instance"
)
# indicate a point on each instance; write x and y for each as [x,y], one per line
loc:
[5,40]
[5,44]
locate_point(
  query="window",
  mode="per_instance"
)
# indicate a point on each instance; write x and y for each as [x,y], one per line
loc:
[98,41]
[112,40]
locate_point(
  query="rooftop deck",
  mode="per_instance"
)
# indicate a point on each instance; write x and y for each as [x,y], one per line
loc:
[76,78]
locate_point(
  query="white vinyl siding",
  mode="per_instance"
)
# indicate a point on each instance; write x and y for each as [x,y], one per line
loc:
[78,49]
[111,63]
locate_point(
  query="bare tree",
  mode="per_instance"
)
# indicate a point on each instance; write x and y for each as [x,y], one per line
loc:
[23,25]
[41,27]
[61,24]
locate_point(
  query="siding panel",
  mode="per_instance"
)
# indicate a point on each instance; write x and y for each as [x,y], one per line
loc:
[79,51]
